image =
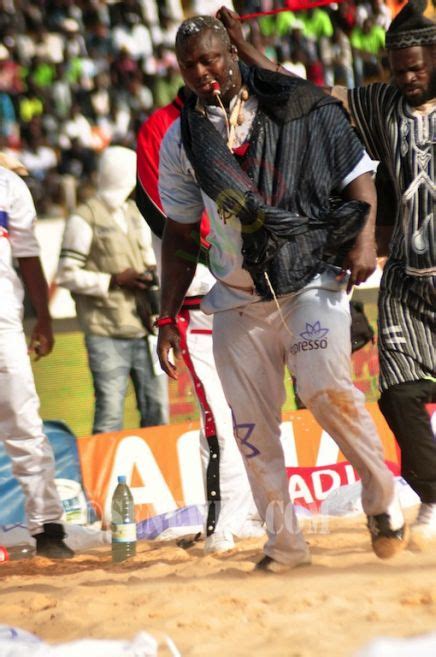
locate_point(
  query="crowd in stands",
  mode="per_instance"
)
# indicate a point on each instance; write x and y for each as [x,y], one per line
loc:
[77,75]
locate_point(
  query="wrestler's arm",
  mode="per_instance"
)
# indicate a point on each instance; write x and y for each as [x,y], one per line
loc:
[362,100]
[41,340]
[180,251]
[246,51]
[361,259]
[183,205]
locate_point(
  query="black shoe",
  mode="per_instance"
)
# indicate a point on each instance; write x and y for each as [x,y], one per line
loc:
[269,565]
[386,542]
[50,542]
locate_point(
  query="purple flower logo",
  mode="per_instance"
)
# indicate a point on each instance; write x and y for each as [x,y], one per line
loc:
[314,332]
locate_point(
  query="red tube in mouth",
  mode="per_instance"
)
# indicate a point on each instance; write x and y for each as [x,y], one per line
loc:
[216,89]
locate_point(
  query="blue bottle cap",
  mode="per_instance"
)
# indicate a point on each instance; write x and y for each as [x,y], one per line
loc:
[122,479]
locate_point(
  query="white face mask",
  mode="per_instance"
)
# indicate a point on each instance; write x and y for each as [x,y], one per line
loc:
[116,175]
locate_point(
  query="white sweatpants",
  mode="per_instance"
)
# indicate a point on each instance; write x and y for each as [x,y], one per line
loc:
[252,345]
[22,433]
[237,504]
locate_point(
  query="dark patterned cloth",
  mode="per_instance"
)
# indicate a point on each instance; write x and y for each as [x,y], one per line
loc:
[407,327]
[301,149]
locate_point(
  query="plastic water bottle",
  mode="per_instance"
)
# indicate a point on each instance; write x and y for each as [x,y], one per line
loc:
[123,522]
[17,552]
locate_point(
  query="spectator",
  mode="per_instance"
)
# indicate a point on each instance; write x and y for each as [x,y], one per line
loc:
[345,16]
[133,37]
[31,103]
[295,63]
[48,46]
[166,87]
[122,68]
[342,58]
[62,93]
[99,40]
[41,73]
[74,43]
[277,25]
[10,73]
[105,261]
[37,157]
[208,7]
[100,97]
[8,118]
[77,127]
[368,44]
[381,13]
[319,29]
[375,9]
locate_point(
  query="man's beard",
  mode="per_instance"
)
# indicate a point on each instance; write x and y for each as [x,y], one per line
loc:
[432,85]
[426,95]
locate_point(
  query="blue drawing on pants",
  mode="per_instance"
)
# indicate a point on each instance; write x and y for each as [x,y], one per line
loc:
[246,428]
[313,339]
[314,331]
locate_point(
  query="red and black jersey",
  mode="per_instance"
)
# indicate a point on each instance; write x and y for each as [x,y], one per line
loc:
[149,141]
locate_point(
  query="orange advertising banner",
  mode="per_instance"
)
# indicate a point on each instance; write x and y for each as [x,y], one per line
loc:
[163,469]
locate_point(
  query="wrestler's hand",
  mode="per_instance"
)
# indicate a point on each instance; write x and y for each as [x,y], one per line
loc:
[42,340]
[361,261]
[168,339]
[232,23]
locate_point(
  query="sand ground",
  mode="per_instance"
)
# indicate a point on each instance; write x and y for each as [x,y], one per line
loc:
[217,607]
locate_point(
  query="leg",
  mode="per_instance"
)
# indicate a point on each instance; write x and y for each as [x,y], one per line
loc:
[403,407]
[250,361]
[151,389]
[407,365]
[320,349]
[27,445]
[109,361]
[236,501]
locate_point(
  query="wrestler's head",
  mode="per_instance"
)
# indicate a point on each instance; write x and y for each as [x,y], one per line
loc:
[205,54]
[411,44]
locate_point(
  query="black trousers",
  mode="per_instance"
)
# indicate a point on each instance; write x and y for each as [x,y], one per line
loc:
[403,406]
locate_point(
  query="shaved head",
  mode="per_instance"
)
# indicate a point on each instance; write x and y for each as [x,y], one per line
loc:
[193,27]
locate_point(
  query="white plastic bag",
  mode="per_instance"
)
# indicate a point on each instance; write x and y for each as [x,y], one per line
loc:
[345,501]
[19,643]
[418,646]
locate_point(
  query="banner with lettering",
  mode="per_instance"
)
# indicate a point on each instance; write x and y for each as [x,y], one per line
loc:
[163,469]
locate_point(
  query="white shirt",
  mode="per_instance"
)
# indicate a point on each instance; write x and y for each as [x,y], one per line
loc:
[17,240]
[78,128]
[41,160]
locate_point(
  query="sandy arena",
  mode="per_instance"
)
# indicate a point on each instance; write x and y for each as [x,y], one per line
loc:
[216,607]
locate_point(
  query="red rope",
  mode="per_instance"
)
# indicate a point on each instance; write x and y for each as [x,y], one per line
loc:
[292,5]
